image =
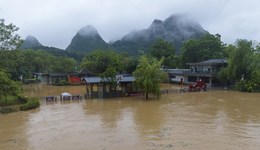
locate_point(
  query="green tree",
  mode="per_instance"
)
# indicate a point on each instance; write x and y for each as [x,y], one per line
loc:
[161,48]
[243,66]
[99,61]
[129,63]
[104,63]
[62,65]
[8,86]
[207,47]
[8,39]
[11,62]
[35,61]
[255,73]
[239,62]
[149,75]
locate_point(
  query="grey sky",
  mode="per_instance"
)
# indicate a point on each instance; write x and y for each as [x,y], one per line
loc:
[55,22]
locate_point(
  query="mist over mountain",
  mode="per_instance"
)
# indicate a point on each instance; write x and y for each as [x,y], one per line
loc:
[86,40]
[30,42]
[175,29]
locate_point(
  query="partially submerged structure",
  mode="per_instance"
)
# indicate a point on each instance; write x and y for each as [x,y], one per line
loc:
[58,78]
[70,78]
[97,87]
[205,70]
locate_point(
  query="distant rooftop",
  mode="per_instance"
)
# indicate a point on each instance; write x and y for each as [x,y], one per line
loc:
[209,62]
[176,71]
[99,80]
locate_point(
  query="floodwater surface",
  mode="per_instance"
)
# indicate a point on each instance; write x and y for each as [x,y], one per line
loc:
[211,120]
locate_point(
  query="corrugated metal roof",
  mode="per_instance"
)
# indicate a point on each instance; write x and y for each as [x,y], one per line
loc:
[176,71]
[63,74]
[92,79]
[215,61]
[210,62]
[127,79]
[99,80]
[57,74]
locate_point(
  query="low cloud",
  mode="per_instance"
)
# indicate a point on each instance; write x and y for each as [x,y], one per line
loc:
[54,23]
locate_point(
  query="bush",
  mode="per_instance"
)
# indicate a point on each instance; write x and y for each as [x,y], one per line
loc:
[13,100]
[246,86]
[64,82]
[32,103]
[21,99]
[10,100]
[61,83]
[6,110]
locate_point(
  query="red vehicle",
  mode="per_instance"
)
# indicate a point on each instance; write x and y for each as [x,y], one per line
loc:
[198,86]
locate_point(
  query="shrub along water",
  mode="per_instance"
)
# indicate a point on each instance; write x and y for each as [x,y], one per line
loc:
[32,103]
[20,102]
[8,109]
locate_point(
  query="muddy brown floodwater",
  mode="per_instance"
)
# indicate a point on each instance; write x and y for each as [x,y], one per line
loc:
[212,120]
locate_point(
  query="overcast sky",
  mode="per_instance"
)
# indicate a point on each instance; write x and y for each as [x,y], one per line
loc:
[55,22]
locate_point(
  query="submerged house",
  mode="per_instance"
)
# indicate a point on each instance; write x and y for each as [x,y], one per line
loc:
[176,75]
[63,78]
[96,87]
[71,78]
[205,70]
[41,77]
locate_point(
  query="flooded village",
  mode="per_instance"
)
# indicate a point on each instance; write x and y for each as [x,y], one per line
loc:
[212,119]
[129,75]
[216,119]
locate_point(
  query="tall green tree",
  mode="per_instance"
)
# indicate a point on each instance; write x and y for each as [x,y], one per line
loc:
[104,63]
[8,86]
[149,75]
[99,61]
[255,74]
[243,66]
[239,62]
[207,47]
[9,40]
[129,63]
[62,65]
[161,48]
[13,63]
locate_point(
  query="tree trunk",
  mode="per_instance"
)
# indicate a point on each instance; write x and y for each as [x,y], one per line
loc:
[146,95]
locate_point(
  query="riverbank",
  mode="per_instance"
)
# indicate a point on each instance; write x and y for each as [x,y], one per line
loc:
[18,103]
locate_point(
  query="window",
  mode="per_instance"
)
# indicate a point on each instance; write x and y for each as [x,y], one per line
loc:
[173,76]
[192,79]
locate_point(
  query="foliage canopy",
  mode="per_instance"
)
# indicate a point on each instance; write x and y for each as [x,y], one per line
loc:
[8,39]
[149,75]
[8,86]
[207,47]
[161,48]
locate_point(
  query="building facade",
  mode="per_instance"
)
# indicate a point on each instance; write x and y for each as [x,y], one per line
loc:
[205,70]
[96,87]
